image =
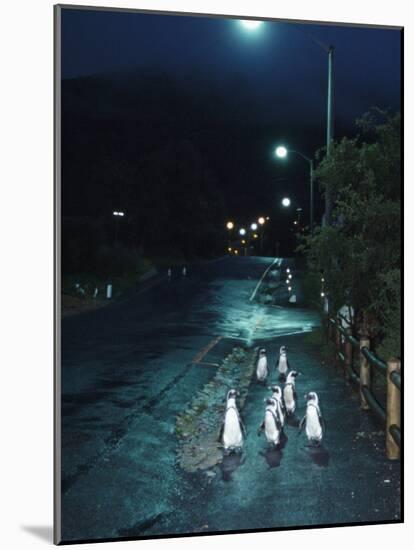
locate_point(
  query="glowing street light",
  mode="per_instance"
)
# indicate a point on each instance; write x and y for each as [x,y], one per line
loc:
[230,225]
[281,152]
[286,202]
[253,227]
[289,288]
[251,25]
[261,221]
[118,214]
[242,231]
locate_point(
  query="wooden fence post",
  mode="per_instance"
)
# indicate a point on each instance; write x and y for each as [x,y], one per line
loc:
[393,410]
[348,354]
[337,344]
[364,372]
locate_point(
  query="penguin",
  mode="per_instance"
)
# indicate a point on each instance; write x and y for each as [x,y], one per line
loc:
[313,421]
[232,432]
[271,424]
[289,393]
[282,364]
[278,397]
[261,367]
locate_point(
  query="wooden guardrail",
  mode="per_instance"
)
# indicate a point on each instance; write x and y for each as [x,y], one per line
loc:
[348,351]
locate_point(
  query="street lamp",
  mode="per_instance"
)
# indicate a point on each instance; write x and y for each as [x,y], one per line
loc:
[328,49]
[242,231]
[253,227]
[230,226]
[281,152]
[261,221]
[250,24]
[285,202]
[117,214]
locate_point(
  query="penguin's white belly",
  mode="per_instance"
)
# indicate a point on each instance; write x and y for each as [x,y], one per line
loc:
[232,436]
[283,364]
[313,425]
[271,431]
[261,371]
[289,399]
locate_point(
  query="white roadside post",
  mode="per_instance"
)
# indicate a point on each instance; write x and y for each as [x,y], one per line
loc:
[109,291]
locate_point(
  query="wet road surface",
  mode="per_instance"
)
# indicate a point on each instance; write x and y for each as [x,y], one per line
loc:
[130,368]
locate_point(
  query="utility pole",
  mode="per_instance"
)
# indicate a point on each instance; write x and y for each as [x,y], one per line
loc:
[329,132]
[311,196]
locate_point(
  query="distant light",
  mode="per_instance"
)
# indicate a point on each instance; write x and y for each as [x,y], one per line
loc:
[243,241]
[298,209]
[295,222]
[250,24]
[281,152]
[322,294]
[323,280]
[229,249]
[242,231]
[285,202]
[289,288]
[118,213]
[287,270]
[253,227]
[255,236]
[261,221]
[230,225]
[267,218]
[287,281]
[236,252]
[290,276]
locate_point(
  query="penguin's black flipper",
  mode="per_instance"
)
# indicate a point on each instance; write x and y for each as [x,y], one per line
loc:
[220,437]
[277,361]
[302,424]
[322,422]
[243,427]
[261,428]
[295,396]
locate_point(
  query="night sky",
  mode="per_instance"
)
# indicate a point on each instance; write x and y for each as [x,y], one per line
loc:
[272,81]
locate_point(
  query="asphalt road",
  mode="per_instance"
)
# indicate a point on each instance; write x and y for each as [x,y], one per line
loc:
[130,368]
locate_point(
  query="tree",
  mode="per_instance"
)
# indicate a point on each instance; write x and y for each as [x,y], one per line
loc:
[360,254]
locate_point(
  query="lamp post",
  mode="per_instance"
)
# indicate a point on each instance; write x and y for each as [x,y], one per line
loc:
[261,221]
[230,227]
[282,152]
[117,215]
[242,233]
[328,49]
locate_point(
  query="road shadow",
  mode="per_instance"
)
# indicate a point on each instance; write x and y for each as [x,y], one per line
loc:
[273,456]
[43,532]
[319,455]
[229,465]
